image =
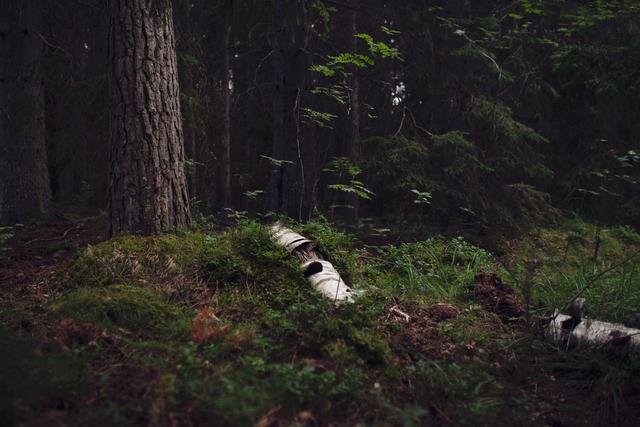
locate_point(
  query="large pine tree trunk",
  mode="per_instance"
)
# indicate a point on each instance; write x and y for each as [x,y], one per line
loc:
[25,191]
[148,191]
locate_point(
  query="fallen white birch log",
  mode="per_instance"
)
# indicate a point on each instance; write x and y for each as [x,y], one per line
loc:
[568,331]
[319,272]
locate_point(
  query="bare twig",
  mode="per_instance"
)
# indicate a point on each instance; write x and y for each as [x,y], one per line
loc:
[399,312]
[255,75]
[415,124]
[404,113]
[54,46]
[50,239]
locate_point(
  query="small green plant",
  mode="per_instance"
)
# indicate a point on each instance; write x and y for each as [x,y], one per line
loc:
[277,163]
[337,69]
[6,234]
[421,197]
[319,118]
[191,165]
[253,194]
[236,215]
[346,170]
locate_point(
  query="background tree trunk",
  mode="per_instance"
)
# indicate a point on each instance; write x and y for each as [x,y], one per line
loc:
[289,66]
[353,128]
[188,39]
[225,95]
[148,191]
[278,182]
[25,190]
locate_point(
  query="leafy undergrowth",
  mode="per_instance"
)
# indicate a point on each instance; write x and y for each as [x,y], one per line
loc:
[580,259]
[196,328]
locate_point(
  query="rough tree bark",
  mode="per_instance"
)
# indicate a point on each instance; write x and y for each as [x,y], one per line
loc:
[148,191]
[25,191]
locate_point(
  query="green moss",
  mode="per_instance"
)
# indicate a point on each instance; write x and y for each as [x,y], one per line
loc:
[370,345]
[245,254]
[137,310]
[136,259]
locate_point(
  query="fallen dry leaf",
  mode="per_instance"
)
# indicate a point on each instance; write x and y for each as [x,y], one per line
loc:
[206,326]
[306,417]
[270,418]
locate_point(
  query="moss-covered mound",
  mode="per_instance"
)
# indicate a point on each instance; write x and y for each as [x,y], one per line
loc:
[131,308]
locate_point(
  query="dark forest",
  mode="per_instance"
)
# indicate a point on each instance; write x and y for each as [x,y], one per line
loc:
[319,212]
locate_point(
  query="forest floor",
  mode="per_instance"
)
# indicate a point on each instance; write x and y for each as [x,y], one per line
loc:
[216,326]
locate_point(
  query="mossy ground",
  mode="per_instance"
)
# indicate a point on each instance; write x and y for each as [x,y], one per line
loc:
[113,344]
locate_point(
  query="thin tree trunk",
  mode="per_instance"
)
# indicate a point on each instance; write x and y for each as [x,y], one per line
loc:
[289,67]
[278,181]
[310,154]
[25,190]
[353,133]
[189,119]
[225,92]
[148,191]
[192,149]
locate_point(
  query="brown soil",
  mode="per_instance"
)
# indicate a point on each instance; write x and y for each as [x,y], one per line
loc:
[420,336]
[496,296]
[68,334]
[36,252]
[443,311]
